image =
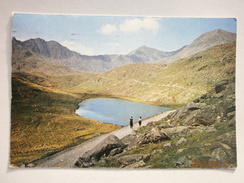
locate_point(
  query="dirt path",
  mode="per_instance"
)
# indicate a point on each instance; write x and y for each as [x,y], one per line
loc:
[68,157]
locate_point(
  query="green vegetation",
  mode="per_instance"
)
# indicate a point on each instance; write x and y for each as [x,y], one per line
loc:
[197,148]
[173,84]
[44,120]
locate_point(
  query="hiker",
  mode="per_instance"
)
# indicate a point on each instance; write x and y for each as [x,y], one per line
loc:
[131,122]
[140,119]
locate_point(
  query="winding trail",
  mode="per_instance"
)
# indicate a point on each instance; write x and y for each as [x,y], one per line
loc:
[68,157]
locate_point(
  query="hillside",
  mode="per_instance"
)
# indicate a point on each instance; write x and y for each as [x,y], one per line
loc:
[201,134]
[175,83]
[43,121]
[203,42]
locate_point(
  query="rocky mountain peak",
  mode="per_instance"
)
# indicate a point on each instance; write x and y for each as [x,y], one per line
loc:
[215,37]
[203,42]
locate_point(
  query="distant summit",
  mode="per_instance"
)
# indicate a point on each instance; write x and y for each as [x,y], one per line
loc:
[147,54]
[48,49]
[203,42]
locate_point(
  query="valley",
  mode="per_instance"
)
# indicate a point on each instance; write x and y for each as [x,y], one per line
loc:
[48,82]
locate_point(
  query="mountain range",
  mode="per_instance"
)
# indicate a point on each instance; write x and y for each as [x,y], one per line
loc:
[32,54]
[50,57]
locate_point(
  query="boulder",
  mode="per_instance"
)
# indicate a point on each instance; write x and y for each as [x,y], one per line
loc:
[136,165]
[228,139]
[150,135]
[103,149]
[167,145]
[130,159]
[221,86]
[208,115]
[184,162]
[180,150]
[219,155]
[128,139]
[187,109]
[181,141]
[116,151]
[223,153]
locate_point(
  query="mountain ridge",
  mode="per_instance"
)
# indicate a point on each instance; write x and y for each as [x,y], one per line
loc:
[201,43]
[54,53]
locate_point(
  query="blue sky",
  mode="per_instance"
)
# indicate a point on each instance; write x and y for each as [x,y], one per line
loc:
[94,35]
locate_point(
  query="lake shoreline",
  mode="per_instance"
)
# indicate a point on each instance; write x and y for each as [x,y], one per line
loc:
[117,111]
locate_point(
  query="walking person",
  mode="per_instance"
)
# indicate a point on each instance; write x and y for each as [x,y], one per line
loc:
[131,122]
[140,120]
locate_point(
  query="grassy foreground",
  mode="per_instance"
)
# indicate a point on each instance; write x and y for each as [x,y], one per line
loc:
[43,121]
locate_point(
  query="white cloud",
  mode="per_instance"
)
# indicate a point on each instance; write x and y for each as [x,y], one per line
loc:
[107,29]
[136,25]
[131,25]
[78,48]
[150,24]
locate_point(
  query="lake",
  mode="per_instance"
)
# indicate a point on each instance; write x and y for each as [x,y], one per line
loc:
[117,111]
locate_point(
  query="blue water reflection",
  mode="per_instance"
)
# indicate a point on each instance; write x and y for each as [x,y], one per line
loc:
[117,111]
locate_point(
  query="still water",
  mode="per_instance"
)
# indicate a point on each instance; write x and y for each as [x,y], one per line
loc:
[117,111]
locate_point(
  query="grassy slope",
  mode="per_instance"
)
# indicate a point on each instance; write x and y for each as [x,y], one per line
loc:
[200,145]
[175,83]
[44,120]
[196,148]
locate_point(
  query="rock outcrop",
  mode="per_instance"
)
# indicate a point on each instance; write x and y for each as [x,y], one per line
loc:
[109,146]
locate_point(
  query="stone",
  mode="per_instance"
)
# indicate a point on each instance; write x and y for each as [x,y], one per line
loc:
[230,115]
[128,139]
[207,144]
[170,132]
[130,159]
[221,87]
[187,109]
[100,151]
[157,135]
[150,135]
[167,145]
[184,162]
[228,139]
[218,155]
[181,141]
[116,151]
[210,129]
[180,150]
[136,165]
[195,130]
[30,165]
[154,152]
[225,146]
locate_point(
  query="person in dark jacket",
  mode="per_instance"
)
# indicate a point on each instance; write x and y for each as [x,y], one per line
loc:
[140,120]
[131,122]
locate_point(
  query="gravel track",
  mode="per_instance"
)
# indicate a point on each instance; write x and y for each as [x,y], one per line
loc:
[68,157]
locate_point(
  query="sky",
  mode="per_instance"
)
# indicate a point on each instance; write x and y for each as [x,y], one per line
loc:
[96,35]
